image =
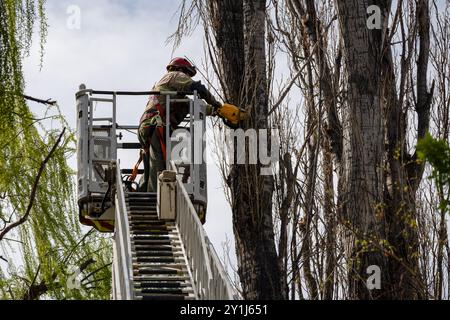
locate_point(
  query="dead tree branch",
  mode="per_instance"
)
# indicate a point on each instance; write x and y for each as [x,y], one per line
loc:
[48,102]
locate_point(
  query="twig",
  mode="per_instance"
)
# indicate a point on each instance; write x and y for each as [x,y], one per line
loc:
[76,246]
[34,189]
[13,240]
[206,79]
[95,271]
[41,101]
[35,276]
[95,280]
[86,264]
[291,83]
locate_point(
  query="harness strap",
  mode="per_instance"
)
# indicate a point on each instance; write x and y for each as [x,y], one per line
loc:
[160,129]
[148,115]
[157,123]
[162,141]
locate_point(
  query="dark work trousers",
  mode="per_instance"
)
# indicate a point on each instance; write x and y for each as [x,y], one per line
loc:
[156,162]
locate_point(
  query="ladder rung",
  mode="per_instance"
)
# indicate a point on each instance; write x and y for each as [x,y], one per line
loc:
[149,265]
[154,237]
[145,199]
[141,208]
[157,242]
[149,217]
[132,195]
[164,284]
[164,297]
[158,271]
[157,253]
[165,277]
[143,212]
[153,248]
[163,290]
[150,227]
[143,260]
[152,223]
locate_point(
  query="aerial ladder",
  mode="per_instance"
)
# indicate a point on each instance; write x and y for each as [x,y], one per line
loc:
[160,249]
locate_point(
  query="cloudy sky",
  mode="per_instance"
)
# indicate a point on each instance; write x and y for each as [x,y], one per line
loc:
[119,45]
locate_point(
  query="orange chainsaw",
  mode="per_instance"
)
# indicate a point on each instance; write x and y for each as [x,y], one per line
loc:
[231,115]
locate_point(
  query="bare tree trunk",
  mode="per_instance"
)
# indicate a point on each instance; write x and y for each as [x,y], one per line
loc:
[227,20]
[330,221]
[287,175]
[313,44]
[405,280]
[404,171]
[294,261]
[361,193]
[242,24]
[311,177]
[378,178]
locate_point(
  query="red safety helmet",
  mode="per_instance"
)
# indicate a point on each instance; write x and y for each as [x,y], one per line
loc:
[184,65]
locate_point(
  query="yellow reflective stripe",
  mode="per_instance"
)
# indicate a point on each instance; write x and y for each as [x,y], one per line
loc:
[100,225]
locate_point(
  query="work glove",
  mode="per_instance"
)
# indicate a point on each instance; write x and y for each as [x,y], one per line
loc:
[217,105]
[211,110]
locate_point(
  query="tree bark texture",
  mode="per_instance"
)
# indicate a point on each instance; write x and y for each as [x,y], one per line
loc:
[361,181]
[240,37]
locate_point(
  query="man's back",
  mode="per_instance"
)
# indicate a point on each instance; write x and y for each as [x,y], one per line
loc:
[172,81]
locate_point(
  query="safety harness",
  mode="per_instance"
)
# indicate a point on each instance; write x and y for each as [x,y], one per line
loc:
[158,123]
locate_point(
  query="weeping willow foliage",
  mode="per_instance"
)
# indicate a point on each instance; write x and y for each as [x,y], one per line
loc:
[40,257]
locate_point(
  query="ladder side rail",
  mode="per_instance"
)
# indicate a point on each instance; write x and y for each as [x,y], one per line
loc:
[116,294]
[90,139]
[194,248]
[193,238]
[224,290]
[209,276]
[167,130]
[122,246]
[82,143]
[192,170]
[113,150]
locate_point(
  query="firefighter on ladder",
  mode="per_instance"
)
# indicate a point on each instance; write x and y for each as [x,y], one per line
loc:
[152,123]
